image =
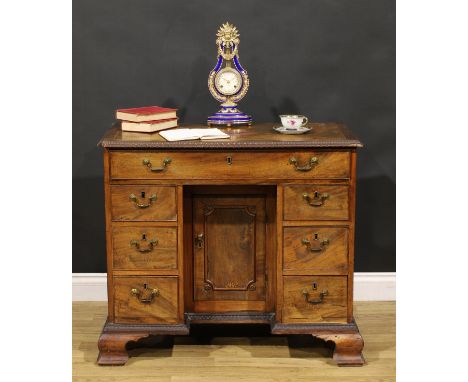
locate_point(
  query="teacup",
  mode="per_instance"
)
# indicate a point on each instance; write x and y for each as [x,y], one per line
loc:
[293,121]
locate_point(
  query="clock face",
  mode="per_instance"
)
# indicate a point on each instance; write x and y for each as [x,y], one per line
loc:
[228,81]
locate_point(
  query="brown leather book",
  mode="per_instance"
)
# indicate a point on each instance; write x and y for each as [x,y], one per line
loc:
[149,126]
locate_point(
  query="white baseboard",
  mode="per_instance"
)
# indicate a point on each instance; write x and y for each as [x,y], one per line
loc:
[374,286]
[89,286]
[368,286]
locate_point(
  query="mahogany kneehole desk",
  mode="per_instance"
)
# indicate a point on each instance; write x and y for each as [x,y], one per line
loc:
[255,229]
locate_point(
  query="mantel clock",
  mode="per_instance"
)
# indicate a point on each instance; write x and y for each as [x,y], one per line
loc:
[228,82]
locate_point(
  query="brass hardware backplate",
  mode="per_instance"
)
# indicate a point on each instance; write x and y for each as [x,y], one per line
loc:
[316,200]
[315,244]
[314,301]
[149,296]
[137,244]
[135,200]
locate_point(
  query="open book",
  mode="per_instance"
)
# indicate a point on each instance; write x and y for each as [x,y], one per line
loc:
[189,134]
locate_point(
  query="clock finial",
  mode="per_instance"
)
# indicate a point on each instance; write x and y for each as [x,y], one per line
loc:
[228,34]
[227,40]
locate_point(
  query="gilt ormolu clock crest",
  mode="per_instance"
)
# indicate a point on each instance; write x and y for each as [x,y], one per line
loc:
[228,82]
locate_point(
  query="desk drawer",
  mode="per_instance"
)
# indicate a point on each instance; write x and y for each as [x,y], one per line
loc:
[315,250]
[314,299]
[144,248]
[316,202]
[230,165]
[145,299]
[144,203]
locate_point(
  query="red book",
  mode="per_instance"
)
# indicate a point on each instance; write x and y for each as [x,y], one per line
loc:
[149,126]
[145,114]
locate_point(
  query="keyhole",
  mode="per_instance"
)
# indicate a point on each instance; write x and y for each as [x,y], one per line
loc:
[142,194]
[314,286]
[145,286]
[229,160]
[143,237]
[316,194]
[316,236]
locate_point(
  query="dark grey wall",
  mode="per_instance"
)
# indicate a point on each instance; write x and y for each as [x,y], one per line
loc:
[332,60]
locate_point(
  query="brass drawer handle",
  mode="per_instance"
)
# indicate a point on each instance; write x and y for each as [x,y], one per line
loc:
[165,162]
[145,300]
[134,199]
[316,200]
[151,244]
[307,167]
[314,301]
[315,245]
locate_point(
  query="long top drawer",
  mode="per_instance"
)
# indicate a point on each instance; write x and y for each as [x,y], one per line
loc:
[226,165]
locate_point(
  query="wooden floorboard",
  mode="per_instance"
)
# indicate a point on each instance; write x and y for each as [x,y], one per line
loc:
[242,359]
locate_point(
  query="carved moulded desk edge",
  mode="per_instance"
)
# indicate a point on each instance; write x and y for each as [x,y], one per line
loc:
[259,136]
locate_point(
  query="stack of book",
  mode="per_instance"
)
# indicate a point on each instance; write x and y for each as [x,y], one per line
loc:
[147,119]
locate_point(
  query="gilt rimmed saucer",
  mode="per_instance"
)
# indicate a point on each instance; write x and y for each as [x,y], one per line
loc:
[288,130]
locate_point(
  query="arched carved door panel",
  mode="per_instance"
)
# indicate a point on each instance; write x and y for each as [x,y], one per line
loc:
[229,251]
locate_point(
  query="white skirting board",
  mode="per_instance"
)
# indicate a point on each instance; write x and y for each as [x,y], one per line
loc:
[368,286]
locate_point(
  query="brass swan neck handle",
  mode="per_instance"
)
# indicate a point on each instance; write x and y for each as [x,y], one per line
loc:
[165,163]
[310,164]
[137,203]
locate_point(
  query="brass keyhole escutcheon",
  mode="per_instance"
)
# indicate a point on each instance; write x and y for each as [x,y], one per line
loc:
[199,240]
[229,160]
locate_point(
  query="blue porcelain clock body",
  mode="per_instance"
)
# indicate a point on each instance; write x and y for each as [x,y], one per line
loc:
[228,82]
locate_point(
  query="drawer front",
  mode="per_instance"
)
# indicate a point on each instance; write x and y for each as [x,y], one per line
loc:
[144,203]
[144,248]
[228,165]
[314,299]
[316,202]
[143,305]
[315,250]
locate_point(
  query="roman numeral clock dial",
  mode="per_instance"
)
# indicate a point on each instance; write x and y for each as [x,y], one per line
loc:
[228,82]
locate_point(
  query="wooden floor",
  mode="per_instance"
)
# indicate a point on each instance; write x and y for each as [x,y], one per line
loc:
[226,359]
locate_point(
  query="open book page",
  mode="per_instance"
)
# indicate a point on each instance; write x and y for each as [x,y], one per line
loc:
[210,133]
[190,134]
[177,135]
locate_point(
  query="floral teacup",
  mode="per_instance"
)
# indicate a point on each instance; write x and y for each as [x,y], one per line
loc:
[293,121]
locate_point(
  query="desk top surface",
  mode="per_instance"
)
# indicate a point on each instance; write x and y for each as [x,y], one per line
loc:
[257,136]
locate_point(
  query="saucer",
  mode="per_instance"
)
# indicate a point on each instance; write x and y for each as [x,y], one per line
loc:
[287,130]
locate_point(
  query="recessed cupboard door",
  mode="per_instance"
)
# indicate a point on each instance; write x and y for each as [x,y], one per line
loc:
[229,250]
